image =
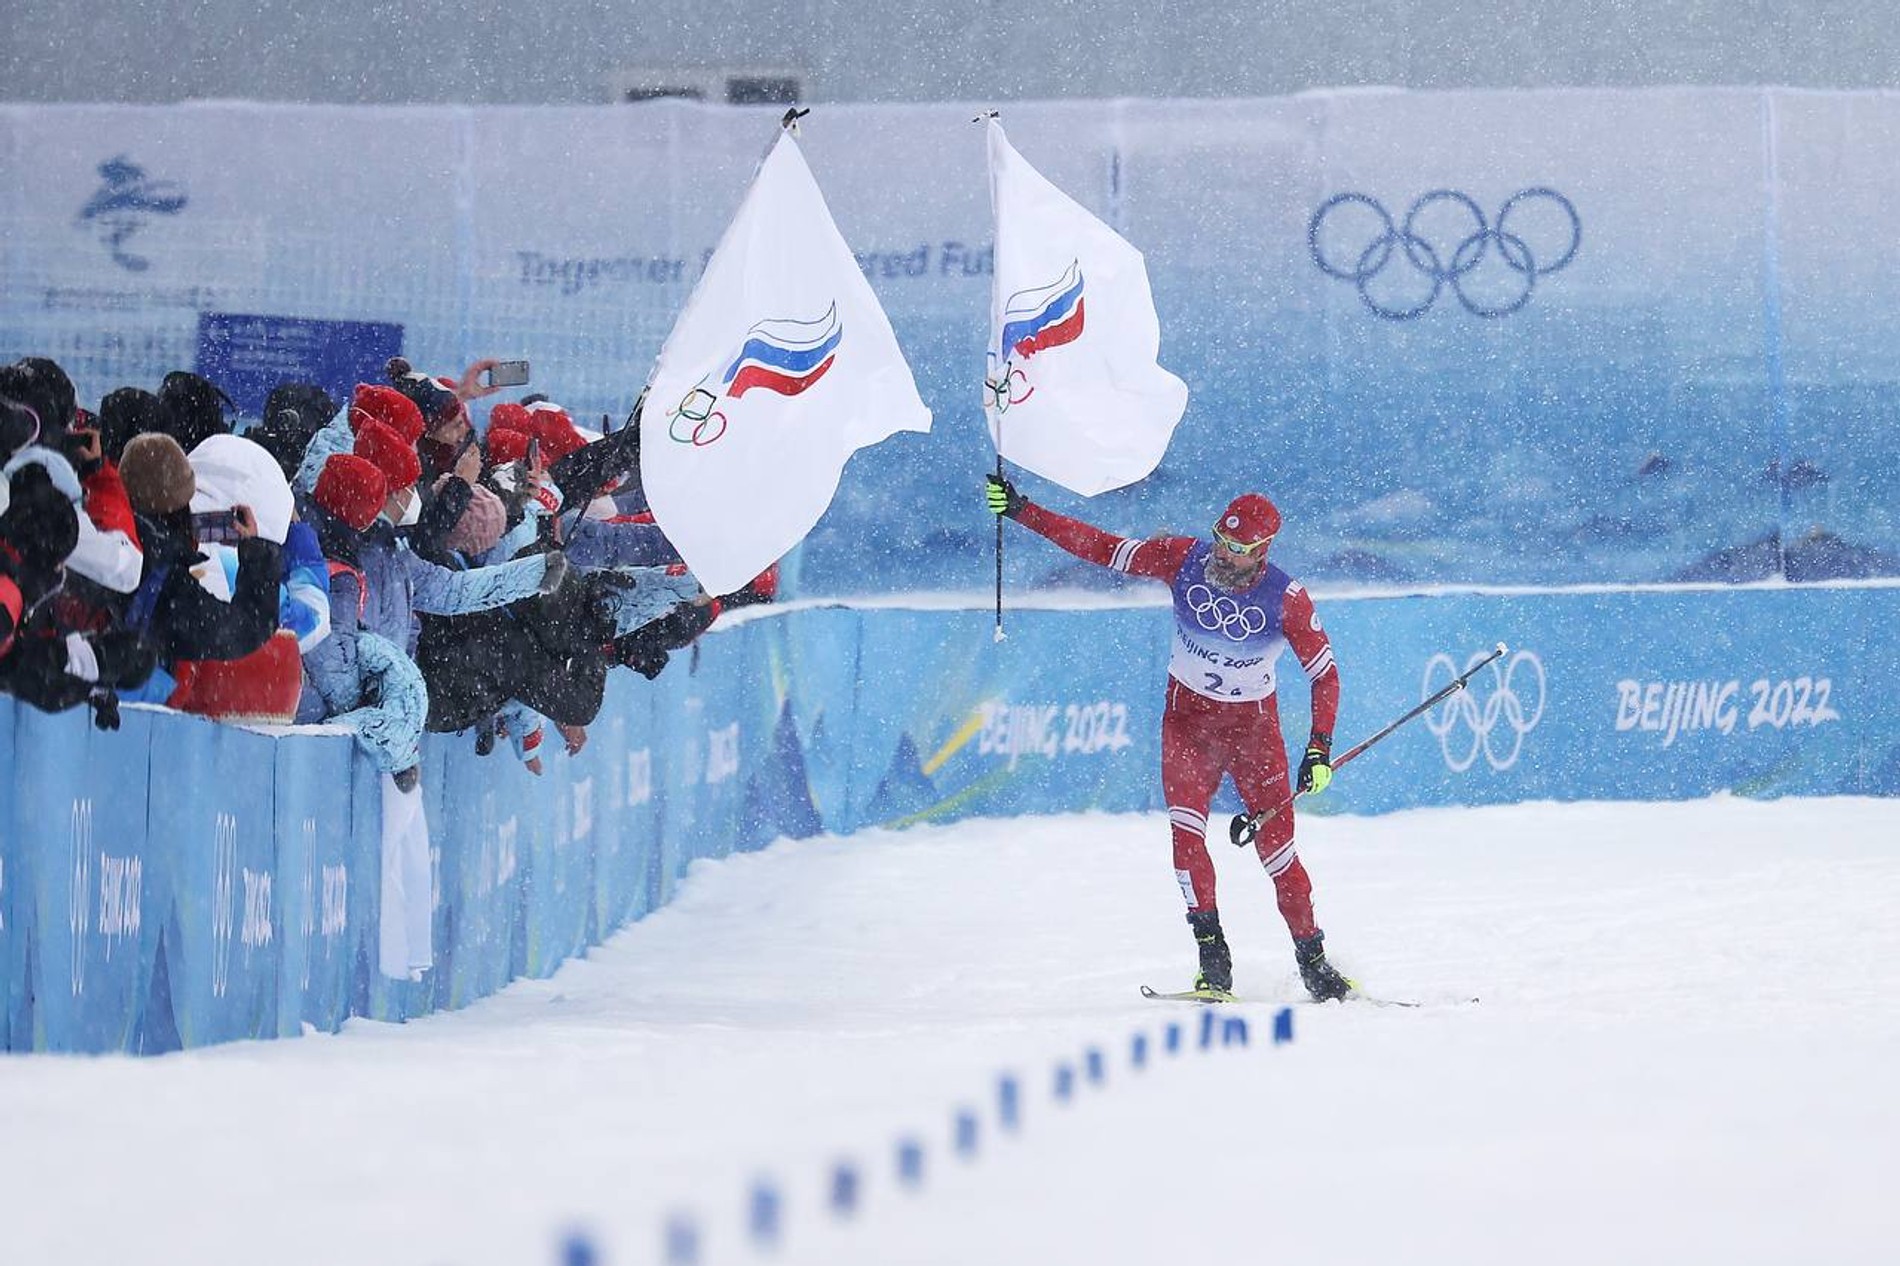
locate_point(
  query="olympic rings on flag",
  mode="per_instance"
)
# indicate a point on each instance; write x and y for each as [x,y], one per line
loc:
[707,423]
[1441,254]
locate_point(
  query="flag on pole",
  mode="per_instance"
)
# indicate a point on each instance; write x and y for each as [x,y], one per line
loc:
[1072,389]
[780,367]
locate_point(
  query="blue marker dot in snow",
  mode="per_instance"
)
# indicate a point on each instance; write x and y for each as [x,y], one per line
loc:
[844,1189]
[1065,1082]
[578,1250]
[910,1162]
[1008,1102]
[1138,1051]
[966,1134]
[1283,1026]
[1093,1066]
[763,1217]
[682,1241]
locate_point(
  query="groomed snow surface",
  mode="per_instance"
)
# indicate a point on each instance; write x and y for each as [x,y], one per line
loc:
[1687,1050]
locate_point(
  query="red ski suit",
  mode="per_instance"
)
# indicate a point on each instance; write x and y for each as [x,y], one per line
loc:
[1221,715]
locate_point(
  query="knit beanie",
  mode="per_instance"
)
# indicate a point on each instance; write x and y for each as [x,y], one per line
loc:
[389,453]
[351,489]
[550,424]
[158,477]
[480,526]
[373,403]
[506,445]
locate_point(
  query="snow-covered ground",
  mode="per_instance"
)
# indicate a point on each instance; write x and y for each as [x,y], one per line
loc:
[1687,1051]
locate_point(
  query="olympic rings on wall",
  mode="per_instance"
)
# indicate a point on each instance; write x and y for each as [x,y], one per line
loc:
[1438,252]
[1492,715]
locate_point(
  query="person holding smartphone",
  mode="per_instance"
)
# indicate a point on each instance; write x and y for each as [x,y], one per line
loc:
[176,614]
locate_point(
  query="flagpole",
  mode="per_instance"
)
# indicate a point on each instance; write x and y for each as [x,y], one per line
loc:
[983,118]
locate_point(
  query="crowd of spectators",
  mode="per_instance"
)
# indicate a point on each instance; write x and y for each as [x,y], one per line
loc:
[373,563]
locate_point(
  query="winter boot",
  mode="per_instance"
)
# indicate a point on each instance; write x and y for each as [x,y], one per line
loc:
[1217,961]
[1320,977]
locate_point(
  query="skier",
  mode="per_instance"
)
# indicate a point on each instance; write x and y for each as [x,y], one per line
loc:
[1233,615]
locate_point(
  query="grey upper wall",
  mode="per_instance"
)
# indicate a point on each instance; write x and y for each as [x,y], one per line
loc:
[566,51]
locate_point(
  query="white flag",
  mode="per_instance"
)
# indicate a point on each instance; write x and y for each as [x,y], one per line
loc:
[780,367]
[1072,389]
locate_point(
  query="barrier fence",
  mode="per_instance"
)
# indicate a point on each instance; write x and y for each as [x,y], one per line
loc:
[176,882]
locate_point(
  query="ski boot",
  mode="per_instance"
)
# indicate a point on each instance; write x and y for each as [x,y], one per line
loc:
[1216,977]
[1320,977]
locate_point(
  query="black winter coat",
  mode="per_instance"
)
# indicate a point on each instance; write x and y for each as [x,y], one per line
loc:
[180,619]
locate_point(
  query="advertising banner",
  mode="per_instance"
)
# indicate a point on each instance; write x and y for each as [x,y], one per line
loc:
[1535,353]
[178,882]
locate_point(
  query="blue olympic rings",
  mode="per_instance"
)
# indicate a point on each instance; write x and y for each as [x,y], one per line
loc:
[1439,265]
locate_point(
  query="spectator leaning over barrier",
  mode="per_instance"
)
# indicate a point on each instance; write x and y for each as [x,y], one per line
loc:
[46,661]
[178,617]
[108,553]
[379,694]
[263,686]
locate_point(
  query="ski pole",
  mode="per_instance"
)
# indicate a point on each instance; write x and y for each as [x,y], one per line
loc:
[1245,826]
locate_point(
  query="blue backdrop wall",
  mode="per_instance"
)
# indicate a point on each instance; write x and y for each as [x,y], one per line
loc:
[1472,337]
[177,882]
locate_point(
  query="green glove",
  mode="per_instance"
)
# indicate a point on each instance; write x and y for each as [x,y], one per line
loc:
[1316,770]
[1002,496]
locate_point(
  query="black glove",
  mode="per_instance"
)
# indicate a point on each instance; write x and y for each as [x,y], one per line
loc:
[1002,496]
[125,660]
[105,709]
[1316,769]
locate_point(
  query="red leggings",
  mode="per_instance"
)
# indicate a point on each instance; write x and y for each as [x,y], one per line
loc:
[1202,739]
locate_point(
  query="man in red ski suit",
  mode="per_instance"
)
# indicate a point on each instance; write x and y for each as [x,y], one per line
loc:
[1233,615]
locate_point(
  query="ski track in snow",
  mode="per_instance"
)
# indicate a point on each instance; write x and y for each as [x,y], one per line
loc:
[1685,1052]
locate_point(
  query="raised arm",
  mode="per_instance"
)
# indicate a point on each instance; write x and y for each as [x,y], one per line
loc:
[1157,558]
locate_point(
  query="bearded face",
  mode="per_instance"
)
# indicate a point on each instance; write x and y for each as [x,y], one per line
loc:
[1235,571]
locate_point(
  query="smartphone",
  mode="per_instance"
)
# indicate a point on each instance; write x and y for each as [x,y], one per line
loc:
[506,373]
[215,527]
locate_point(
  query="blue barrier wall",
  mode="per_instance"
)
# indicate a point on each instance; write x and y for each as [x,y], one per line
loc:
[176,882]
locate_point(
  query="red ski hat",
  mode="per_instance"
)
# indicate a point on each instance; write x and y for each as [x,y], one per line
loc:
[1249,521]
[373,403]
[389,453]
[352,489]
[549,423]
[505,444]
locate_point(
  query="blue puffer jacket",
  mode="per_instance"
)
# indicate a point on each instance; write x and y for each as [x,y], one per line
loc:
[379,596]
[401,583]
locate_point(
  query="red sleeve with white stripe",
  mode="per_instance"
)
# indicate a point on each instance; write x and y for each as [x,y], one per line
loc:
[1300,622]
[1157,558]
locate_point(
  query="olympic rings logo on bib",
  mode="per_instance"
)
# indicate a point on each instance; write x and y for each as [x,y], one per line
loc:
[1218,613]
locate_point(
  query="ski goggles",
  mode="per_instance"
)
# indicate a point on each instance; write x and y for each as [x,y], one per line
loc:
[1237,548]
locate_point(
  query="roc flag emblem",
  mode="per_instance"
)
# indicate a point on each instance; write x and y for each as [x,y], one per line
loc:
[785,355]
[1043,317]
